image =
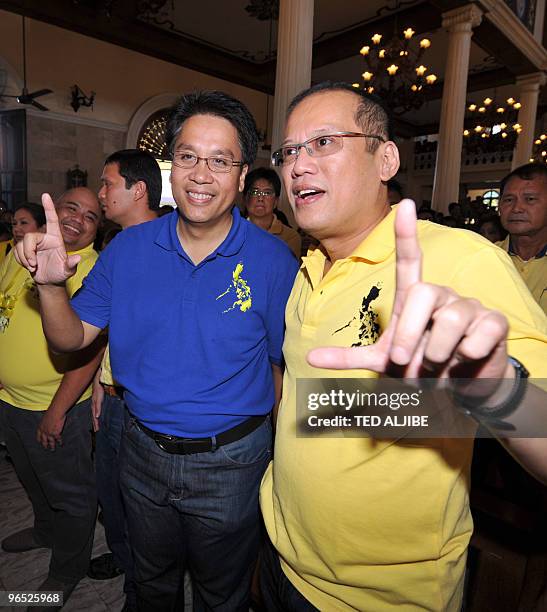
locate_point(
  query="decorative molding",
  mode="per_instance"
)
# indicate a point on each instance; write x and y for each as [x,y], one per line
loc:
[462,19]
[501,16]
[144,112]
[74,119]
[531,82]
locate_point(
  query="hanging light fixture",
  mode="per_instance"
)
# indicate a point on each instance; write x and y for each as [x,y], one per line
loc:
[495,125]
[394,71]
[539,152]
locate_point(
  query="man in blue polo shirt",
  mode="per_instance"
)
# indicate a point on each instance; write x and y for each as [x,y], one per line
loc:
[195,308]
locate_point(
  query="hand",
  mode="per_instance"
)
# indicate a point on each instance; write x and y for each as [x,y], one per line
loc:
[433,331]
[44,255]
[97,397]
[50,429]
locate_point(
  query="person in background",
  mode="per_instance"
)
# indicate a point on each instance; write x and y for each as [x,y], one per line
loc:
[261,195]
[523,214]
[491,228]
[129,195]
[28,217]
[45,404]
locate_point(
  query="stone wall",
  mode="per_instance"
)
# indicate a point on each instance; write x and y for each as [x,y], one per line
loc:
[55,146]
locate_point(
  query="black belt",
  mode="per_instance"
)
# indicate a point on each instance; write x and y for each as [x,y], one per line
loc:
[189,446]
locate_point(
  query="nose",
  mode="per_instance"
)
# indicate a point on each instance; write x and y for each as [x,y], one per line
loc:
[304,162]
[201,172]
[102,193]
[518,204]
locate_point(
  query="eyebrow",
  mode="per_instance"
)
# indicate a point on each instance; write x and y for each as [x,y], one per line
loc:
[188,147]
[329,129]
[79,206]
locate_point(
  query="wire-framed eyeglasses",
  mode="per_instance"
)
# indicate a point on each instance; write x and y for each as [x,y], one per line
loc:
[215,163]
[261,193]
[318,146]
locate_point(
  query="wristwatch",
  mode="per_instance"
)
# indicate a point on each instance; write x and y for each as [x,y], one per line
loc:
[477,408]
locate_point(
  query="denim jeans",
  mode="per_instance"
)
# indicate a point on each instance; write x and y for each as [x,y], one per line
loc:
[107,450]
[59,483]
[196,511]
[278,593]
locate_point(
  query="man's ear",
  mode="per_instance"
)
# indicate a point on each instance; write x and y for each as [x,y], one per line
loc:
[140,190]
[389,160]
[242,176]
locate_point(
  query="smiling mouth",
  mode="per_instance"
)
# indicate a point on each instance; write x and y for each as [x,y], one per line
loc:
[200,197]
[70,229]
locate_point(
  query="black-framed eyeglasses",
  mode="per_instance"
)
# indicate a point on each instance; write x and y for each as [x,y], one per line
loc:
[264,193]
[318,146]
[215,163]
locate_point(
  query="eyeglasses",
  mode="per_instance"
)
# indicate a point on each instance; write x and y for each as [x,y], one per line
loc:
[319,146]
[215,163]
[264,193]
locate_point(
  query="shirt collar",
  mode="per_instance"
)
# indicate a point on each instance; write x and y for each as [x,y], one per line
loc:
[168,239]
[87,249]
[276,227]
[507,245]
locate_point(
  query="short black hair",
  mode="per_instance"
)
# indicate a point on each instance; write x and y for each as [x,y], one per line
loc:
[138,165]
[218,104]
[372,115]
[526,173]
[266,174]
[36,211]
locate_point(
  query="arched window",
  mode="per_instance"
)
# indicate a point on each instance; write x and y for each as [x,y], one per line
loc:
[152,135]
[491,198]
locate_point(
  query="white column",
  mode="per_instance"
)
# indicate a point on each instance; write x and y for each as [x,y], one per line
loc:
[459,23]
[293,71]
[294,56]
[529,86]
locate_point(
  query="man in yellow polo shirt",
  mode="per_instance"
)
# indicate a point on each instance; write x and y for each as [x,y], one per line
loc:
[44,406]
[359,523]
[523,213]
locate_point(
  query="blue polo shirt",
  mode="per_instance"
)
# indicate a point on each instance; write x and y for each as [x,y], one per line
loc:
[192,345]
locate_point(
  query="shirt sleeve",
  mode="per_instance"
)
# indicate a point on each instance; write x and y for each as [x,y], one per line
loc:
[93,300]
[280,288]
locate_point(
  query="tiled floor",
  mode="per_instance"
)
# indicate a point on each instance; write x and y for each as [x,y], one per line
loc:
[28,570]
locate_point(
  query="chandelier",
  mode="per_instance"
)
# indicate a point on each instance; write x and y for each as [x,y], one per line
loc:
[395,72]
[494,126]
[539,153]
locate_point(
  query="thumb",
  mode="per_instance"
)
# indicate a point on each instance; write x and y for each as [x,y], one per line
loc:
[73,260]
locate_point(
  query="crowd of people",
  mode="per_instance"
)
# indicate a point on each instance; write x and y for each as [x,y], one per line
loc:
[182,345]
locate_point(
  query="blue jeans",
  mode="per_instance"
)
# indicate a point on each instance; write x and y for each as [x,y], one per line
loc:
[108,441]
[195,511]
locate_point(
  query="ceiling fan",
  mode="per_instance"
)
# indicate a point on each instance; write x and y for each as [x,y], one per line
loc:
[26,97]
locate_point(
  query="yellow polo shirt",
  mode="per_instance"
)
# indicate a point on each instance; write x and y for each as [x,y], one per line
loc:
[4,245]
[29,372]
[289,235]
[369,525]
[106,369]
[533,272]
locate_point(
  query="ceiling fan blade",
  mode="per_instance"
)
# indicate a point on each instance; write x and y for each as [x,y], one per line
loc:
[40,92]
[38,105]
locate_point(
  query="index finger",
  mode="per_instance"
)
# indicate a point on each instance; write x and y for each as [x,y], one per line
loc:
[52,220]
[408,267]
